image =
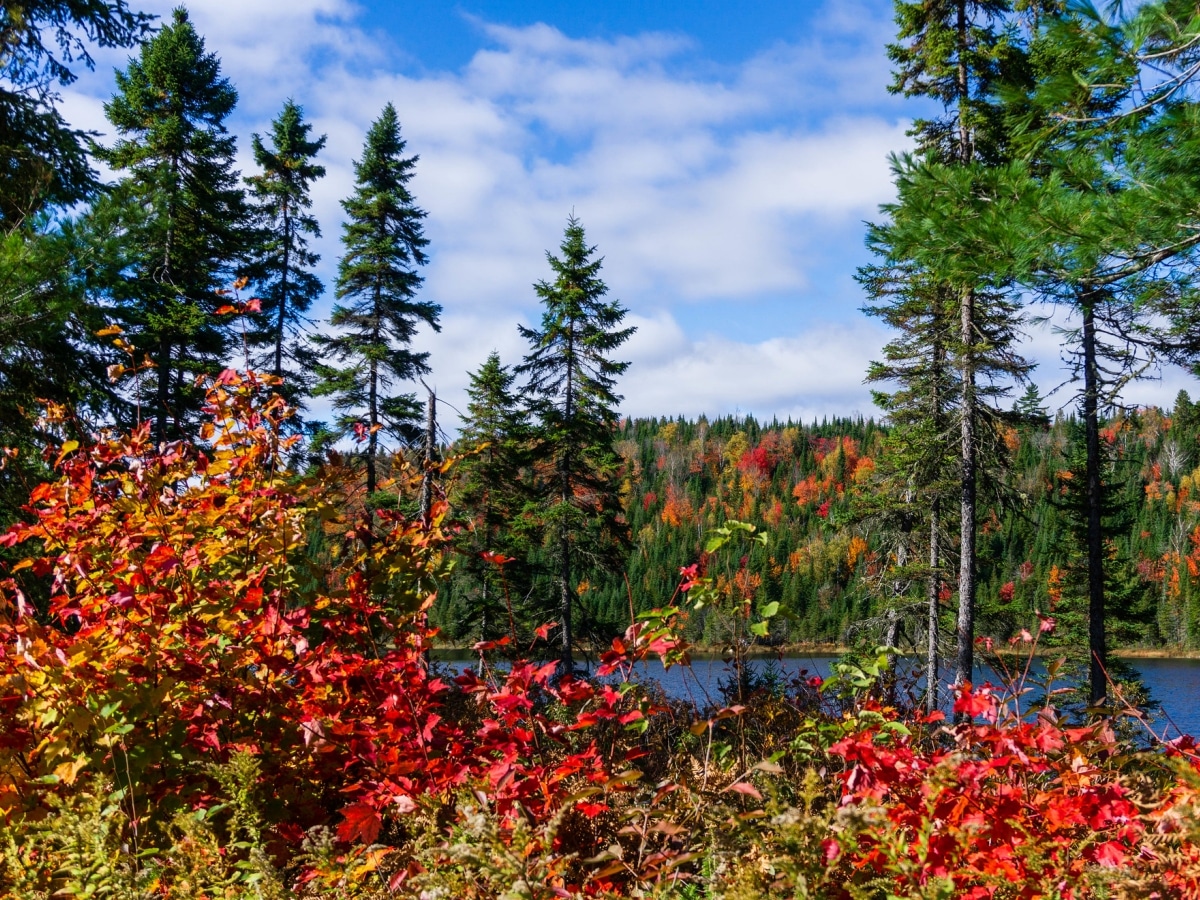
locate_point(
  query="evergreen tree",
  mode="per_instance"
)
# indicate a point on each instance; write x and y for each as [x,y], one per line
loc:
[281,263]
[916,466]
[385,243]
[183,210]
[43,161]
[48,353]
[959,52]
[571,380]
[489,494]
[1118,194]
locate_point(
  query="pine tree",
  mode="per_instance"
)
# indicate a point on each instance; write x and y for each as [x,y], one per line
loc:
[184,211]
[489,494]
[43,161]
[385,243]
[281,263]
[960,53]
[571,380]
[1118,193]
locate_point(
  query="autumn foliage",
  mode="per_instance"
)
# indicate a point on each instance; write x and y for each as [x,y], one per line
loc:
[190,621]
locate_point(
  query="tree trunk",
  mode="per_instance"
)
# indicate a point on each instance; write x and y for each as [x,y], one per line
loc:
[373,415]
[1097,650]
[283,290]
[427,459]
[164,390]
[965,150]
[565,497]
[968,449]
[373,395]
[935,588]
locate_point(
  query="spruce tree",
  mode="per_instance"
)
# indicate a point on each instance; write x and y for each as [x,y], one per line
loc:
[184,212]
[281,264]
[489,495]
[916,472]
[385,244]
[571,381]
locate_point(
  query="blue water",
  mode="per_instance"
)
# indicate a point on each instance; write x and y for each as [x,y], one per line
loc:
[1173,683]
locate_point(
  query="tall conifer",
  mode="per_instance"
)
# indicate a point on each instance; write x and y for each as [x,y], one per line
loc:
[917,469]
[572,377]
[490,493]
[385,244]
[281,263]
[184,210]
[959,52]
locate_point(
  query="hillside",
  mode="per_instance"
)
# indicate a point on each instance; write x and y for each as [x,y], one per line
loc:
[830,559]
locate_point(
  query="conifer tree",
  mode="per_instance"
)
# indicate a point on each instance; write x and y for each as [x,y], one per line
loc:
[385,244]
[281,263]
[184,211]
[917,465]
[571,380]
[1117,197]
[959,52]
[43,161]
[489,494]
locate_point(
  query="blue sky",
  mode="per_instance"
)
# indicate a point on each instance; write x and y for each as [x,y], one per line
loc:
[722,159]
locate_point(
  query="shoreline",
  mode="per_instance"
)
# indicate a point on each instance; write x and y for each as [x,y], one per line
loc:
[713,651]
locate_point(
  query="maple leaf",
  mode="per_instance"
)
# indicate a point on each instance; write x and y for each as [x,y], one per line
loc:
[361,823]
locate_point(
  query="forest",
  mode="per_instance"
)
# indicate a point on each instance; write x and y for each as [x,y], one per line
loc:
[220,614]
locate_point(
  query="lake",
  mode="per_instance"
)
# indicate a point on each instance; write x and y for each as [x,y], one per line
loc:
[1173,683]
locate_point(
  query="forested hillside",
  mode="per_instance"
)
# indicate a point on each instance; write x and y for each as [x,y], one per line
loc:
[830,559]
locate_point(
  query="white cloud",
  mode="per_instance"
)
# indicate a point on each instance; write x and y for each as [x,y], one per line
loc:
[700,184]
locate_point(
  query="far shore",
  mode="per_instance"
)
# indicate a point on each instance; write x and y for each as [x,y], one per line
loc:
[715,651]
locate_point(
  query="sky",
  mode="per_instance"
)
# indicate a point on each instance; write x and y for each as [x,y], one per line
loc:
[723,163]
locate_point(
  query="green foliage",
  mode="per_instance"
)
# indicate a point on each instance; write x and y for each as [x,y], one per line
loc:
[571,393]
[180,212]
[281,263]
[489,491]
[43,160]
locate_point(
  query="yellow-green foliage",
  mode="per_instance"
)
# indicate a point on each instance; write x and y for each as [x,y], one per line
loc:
[88,847]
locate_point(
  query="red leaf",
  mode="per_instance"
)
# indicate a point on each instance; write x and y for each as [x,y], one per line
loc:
[591,810]
[745,787]
[1110,854]
[362,823]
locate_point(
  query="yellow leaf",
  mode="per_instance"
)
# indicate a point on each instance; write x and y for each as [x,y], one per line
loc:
[110,330]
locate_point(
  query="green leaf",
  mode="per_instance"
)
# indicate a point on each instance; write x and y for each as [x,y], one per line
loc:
[759,628]
[715,543]
[770,609]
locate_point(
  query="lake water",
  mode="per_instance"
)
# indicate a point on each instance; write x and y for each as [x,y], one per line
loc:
[1173,683]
